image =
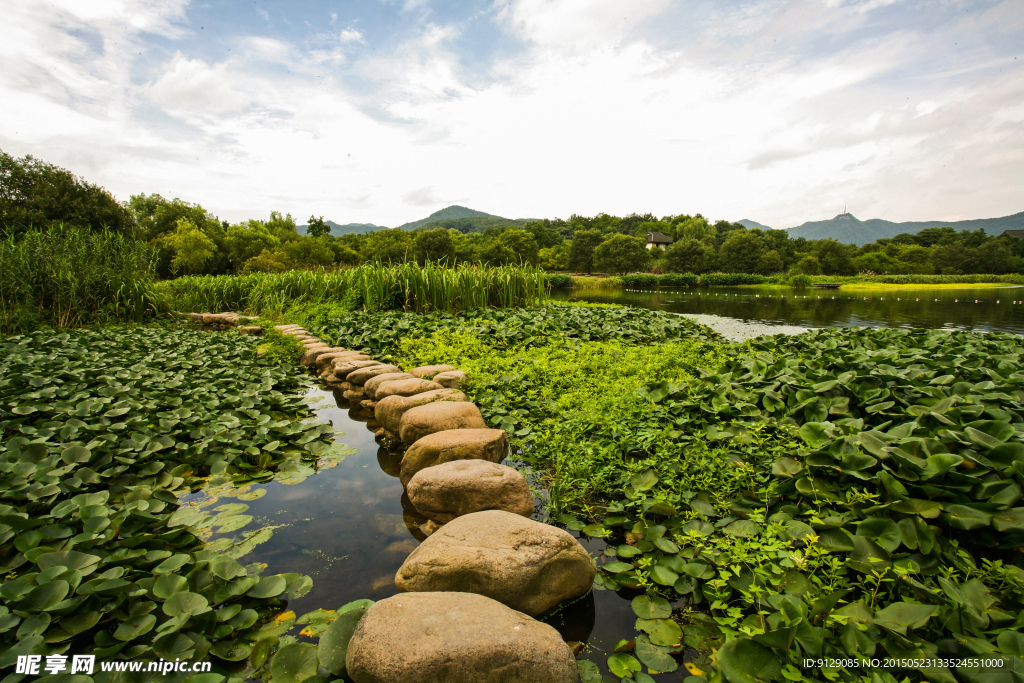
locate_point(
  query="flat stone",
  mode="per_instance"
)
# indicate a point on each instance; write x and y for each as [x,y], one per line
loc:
[404,387]
[428,371]
[284,328]
[313,352]
[526,565]
[461,487]
[438,417]
[328,358]
[389,410]
[361,375]
[455,638]
[370,385]
[453,444]
[453,379]
[343,368]
[251,330]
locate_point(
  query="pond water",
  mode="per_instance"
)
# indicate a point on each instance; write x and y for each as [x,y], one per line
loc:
[350,528]
[989,309]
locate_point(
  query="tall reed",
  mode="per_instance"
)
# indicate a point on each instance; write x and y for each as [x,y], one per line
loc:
[372,287]
[65,276]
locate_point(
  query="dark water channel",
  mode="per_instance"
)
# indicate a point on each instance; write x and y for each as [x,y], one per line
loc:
[350,528]
[989,309]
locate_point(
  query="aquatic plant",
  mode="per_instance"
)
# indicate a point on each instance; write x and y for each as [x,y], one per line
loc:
[371,287]
[103,431]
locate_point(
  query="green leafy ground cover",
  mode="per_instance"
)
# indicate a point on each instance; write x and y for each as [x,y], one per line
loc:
[843,494]
[101,434]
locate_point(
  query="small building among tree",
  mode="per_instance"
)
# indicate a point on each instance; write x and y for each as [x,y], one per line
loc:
[657,239]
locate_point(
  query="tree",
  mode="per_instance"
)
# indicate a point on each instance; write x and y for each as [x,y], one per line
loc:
[389,246]
[770,262]
[687,256]
[495,253]
[581,250]
[545,233]
[317,227]
[435,245]
[522,244]
[742,251]
[248,240]
[808,265]
[555,258]
[267,262]
[310,251]
[835,258]
[35,193]
[694,228]
[192,248]
[621,254]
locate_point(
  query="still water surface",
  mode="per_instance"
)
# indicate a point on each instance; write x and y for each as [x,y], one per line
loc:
[989,309]
[350,528]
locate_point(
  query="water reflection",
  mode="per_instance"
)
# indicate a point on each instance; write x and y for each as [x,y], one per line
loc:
[990,309]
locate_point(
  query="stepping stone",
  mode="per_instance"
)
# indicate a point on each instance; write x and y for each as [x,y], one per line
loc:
[328,359]
[252,330]
[313,352]
[455,638]
[453,379]
[461,487]
[361,375]
[452,444]
[354,394]
[389,410]
[526,565]
[370,385]
[428,371]
[440,416]
[344,366]
[403,387]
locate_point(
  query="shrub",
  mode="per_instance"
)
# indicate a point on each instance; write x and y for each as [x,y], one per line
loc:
[800,280]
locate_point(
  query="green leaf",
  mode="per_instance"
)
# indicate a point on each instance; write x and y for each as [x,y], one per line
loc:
[643,481]
[589,671]
[653,656]
[744,661]
[900,616]
[135,627]
[186,603]
[651,607]
[623,665]
[44,597]
[616,567]
[663,575]
[294,663]
[169,584]
[268,587]
[333,646]
[965,517]
[662,631]
[882,530]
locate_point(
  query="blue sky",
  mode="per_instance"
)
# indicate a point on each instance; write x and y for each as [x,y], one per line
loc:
[384,111]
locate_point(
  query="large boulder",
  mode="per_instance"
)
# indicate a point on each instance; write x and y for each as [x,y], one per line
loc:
[404,387]
[389,410]
[455,638]
[461,487]
[343,368]
[452,444]
[453,379]
[438,417]
[370,385]
[360,376]
[428,371]
[325,360]
[529,566]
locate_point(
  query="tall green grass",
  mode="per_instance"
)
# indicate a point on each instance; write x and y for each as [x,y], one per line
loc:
[66,276]
[370,287]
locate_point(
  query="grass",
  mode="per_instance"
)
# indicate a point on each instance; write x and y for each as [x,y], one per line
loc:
[406,286]
[67,276]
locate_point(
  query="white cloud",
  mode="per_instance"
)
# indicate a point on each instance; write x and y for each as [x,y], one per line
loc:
[778,111]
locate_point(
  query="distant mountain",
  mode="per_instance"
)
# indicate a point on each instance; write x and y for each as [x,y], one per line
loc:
[449,213]
[746,222]
[849,229]
[347,229]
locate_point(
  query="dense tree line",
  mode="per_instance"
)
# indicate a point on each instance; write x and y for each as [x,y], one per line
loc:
[187,239]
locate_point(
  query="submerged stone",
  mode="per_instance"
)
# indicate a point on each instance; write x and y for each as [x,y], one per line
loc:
[529,566]
[455,638]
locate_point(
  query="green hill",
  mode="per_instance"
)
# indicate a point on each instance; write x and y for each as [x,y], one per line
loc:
[849,229]
[347,229]
[453,212]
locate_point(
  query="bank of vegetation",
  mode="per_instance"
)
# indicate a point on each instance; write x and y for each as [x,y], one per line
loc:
[843,494]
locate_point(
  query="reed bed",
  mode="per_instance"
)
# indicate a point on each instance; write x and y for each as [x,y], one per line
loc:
[66,276]
[614,282]
[370,287]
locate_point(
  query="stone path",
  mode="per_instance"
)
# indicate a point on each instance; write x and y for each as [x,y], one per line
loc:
[471,590]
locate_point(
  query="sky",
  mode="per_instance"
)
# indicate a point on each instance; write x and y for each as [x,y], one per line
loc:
[384,111]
